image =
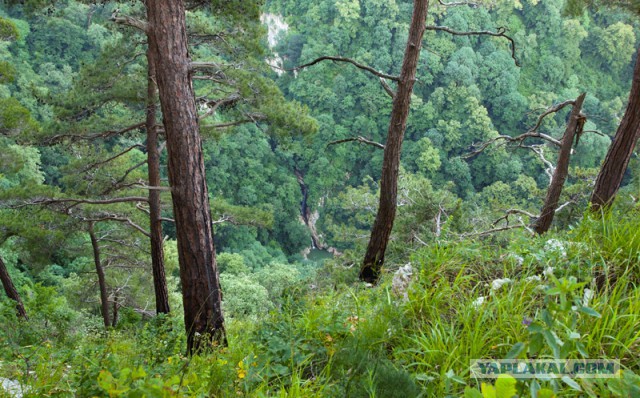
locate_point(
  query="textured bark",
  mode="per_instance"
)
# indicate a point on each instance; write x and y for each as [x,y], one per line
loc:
[201,293]
[574,125]
[102,282]
[374,257]
[11,291]
[155,215]
[621,149]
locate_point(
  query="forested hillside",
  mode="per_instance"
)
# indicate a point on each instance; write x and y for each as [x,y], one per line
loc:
[188,190]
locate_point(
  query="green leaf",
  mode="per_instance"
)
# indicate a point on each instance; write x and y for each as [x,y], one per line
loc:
[590,311]
[472,393]
[534,387]
[571,383]
[505,386]
[536,343]
[552,341]
[546,393]
[581,349]
[488,391]
[554,291]
[516,350]
[535,327]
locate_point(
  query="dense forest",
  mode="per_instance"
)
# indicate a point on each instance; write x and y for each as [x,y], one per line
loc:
[331,198]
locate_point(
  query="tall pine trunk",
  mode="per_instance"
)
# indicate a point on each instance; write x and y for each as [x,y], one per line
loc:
[201,293]
[102,281]
[374,257]
[574,125]
[153,163]
[11,290]
[621,149]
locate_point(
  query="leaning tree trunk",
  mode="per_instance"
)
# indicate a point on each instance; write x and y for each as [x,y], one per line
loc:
[11,291]
[621,149]
[574,126]
[374,257]
[153,163]
[102,282]
[202,297]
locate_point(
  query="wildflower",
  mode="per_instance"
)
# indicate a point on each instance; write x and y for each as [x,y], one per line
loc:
[588,295]
[498,283]
[478,302]
[526,321]
[533,278]
[548,272]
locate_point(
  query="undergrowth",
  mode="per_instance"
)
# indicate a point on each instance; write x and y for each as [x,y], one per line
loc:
[566,296]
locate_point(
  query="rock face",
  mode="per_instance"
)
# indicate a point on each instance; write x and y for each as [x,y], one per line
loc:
[276,28]
[12,387]
[401,280]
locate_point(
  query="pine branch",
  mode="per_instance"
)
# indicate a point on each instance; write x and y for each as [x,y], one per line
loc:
[499,33]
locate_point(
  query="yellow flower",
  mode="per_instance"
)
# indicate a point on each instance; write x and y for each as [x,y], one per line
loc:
[241,373]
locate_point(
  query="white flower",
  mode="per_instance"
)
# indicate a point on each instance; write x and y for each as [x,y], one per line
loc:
[548,272]
[519,259]
[478,302]
[588,295]
[498,283]
[534,278]
[555,245]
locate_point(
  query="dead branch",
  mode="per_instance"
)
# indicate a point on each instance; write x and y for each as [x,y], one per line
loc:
[228,124]
[79,137]
[458,3]
[112,158]
[214,105]
[114,217]
[342,59]
[359,139]
[532,133]
[387,88]
[118,184]
[501,32]
[549,170]
[77,201]
[492,231]
[511,212]
[129,21]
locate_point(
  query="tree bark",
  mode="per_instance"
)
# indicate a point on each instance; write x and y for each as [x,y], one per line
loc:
[574,125]
[102,282]
[202,297]
[374,257]
[155,214]
[617,159]
[11,290]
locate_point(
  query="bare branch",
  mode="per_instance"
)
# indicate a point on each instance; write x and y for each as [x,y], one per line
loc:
[458,3]
[105,134]
[387,88]
[359,139]
[76,201]
[114,157]
[532,133]
[118,184]
[553,109]
[513,211]
[537,149]
[114,217]
[129,21]
[492,231]
[342,59]
[214,105]
[499,33]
